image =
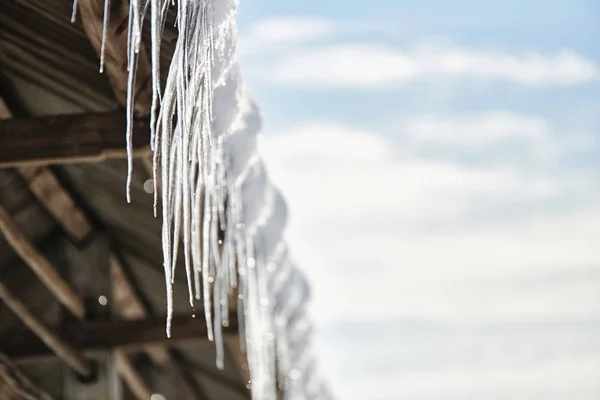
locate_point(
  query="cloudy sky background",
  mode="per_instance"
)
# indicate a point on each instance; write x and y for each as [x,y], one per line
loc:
[441,163]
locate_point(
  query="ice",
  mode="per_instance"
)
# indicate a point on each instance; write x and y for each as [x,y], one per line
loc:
[104,28]
[215,195]
[74,13]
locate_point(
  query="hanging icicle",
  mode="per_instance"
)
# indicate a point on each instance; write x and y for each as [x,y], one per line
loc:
[215,194]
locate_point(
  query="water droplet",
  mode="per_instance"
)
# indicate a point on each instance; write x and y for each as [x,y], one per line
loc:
[149,186]
[264,301]
[193,315]
[251,262]
[225,323]
[220,241]
[294,374]
[157,396]
[102,300]
[211,279]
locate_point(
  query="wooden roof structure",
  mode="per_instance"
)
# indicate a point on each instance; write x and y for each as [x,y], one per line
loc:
[82,310]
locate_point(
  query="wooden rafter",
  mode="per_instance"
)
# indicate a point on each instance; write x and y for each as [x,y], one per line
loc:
[110,334]
[15,386]
[44,184]
[129,306]
[115,51]
[64,139]
[133,379]
[41,266]
[54,342]
[48,190]
[219,376]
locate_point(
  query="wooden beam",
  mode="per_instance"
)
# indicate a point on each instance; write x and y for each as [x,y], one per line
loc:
[133,379]
[108,335]
[53,196]
[45,186]
[48,190]
[129,306]
[54,342]
[115,51]
[192,389]
[219,376]
[41,266]
[64,139]
[15,386]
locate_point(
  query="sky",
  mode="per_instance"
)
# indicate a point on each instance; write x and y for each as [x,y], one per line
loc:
[440,160]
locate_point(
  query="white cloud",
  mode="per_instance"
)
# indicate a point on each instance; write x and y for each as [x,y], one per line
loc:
[477,130]
[565,378]
[397,223]
[279,31]
[383,235]
[317,52]
[495,134]
[401,226]
[364,65]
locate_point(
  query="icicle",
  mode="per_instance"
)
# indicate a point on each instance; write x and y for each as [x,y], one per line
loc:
[187,190]
[196,249]
[137,31]
[205,263]
[130,90]
[217,301]
[74,13]
[155,63]
[176,178]
[166,205]
[214,193]
[104,30]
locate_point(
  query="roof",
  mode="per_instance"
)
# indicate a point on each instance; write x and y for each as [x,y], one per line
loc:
[81,269]
[48,66]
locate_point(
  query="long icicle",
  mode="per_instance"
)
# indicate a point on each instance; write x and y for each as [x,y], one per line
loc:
[215,195]
[104,30]
[74,12]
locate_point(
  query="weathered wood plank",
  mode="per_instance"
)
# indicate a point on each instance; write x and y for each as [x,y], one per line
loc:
[108,335]
[41,266]
[133,379]
[58,345]
[104,383]
[33,221]
[210,371]
[76,138]
[128,306]
[48,190]
[15,386]
[51,55]
[191,389]
[115,51]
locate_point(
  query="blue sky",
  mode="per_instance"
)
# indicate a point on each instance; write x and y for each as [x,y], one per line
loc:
[441,164]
